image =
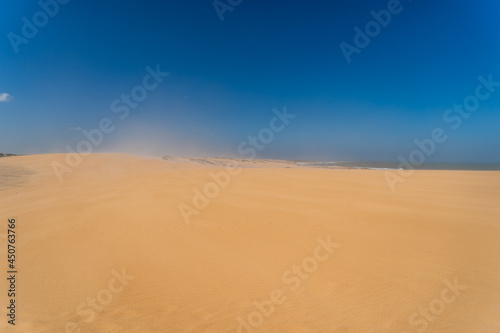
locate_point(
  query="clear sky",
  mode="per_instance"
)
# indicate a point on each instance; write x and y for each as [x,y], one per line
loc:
[227,76]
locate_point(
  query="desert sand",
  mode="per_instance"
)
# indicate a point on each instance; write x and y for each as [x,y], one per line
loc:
[316,250]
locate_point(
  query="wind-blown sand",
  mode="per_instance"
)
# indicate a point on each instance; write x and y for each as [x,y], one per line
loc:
[393,254]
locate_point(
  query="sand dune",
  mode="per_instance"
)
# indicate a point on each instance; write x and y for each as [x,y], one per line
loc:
[316,250]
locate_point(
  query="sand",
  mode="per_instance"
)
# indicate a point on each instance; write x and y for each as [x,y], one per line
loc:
[316,250]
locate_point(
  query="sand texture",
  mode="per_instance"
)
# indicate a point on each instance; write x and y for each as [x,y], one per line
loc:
[316,250]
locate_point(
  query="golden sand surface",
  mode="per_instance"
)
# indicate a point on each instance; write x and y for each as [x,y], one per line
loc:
[119,246]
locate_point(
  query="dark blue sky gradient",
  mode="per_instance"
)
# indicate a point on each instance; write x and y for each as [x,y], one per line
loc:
[226,77]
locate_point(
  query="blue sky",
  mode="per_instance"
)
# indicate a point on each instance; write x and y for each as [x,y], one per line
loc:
[227,76]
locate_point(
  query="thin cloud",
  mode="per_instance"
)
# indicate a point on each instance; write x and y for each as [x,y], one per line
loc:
[4,97]
[75,128]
